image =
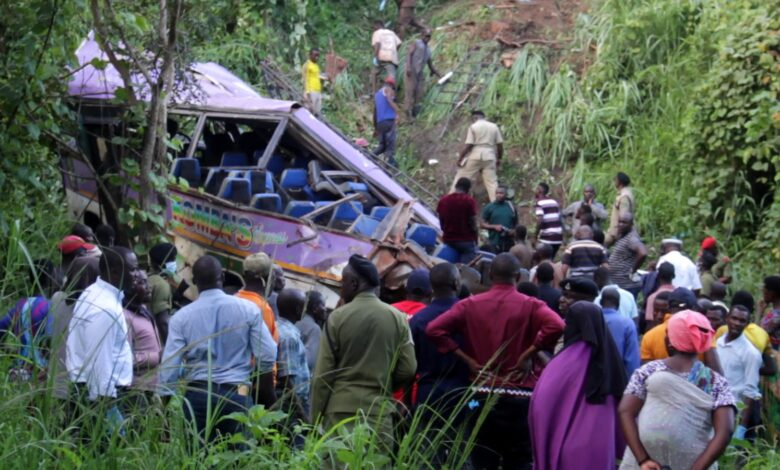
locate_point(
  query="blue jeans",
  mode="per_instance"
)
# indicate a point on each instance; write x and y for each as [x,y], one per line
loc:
[466,250]
[224,400]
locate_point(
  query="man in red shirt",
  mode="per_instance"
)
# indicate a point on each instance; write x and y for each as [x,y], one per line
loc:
[458,218]
[501,332]
[418,293]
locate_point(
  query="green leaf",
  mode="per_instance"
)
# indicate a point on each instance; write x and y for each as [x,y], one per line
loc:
[99,64]
[33,130]
[141,23]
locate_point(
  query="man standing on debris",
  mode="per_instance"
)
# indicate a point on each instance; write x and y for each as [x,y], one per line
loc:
[406,16]
[386,120]
[312,83]
[482,153]
[419,56]
[458,219]
[385,44]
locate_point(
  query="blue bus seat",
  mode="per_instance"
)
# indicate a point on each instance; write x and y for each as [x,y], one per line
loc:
[276,164]
[298,208]
[295,182]
[424,235]
[300,162]
[236,189]
[380,212]
[353,187]
[345,213]
[234,159]
[267,202]
[365,225]
[446,253]
[187,169]
[214,180]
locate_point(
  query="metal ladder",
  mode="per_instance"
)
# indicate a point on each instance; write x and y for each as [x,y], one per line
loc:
[479,68]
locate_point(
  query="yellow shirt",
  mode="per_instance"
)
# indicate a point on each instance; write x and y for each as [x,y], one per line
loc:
[654,344]
[311,77]
[754,333]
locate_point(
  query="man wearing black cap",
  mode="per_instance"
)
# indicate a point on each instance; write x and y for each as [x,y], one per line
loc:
[365,353]
[653,346]
[576,289]
[481,154]
[418,293]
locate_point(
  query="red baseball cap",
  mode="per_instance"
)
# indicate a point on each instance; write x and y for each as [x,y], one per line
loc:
[708,243]
[72,243]
[390,80]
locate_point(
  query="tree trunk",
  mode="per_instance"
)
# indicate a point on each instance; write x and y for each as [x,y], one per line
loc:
[154,148]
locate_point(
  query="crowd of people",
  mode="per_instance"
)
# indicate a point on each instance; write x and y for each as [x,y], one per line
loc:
[565,351]
[627,318]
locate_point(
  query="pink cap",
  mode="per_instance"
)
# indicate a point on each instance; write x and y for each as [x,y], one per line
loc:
[690,332]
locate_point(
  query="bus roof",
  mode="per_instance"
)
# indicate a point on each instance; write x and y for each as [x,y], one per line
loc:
[208,84]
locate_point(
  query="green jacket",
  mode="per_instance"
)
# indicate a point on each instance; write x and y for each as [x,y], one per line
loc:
[162,285]
[365,353]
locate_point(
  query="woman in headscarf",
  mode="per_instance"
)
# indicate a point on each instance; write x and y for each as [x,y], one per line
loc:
[573,414]
[677,412]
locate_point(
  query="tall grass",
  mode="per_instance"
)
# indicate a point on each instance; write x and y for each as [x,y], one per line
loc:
[43,430]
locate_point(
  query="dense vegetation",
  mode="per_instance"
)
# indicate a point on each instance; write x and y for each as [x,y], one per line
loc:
[682,95]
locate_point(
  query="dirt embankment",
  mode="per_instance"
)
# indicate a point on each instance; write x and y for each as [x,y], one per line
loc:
[502,29]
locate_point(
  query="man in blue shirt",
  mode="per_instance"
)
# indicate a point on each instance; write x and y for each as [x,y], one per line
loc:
[386,120]
[441,378]
[210,343]
[623,329]
[438,374]
[292,370]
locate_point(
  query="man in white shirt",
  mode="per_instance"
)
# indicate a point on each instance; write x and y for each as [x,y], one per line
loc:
[98,356]
[741,362]
[385,44]
[627,307]
[685,272]
[98,353]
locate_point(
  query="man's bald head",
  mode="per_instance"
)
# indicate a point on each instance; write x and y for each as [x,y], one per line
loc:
[718,291]
[290,303]
[207,273]
[445,280]
[625,223]
[610,298]
[504,269]
[584,232]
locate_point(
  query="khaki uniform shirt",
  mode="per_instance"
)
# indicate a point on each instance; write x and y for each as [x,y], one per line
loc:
[484,136]
[365,353]
[624,204]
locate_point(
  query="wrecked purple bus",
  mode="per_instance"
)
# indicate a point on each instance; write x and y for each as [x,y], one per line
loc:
[257,174]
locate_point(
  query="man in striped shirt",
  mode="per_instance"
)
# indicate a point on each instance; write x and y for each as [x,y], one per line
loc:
[583,256]
[549,229]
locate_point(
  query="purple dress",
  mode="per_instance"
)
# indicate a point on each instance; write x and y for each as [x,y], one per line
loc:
[566,430]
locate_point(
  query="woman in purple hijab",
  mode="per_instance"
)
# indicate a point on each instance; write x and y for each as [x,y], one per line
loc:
[573,414]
